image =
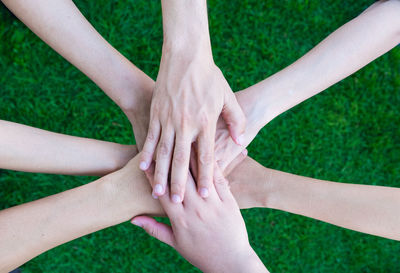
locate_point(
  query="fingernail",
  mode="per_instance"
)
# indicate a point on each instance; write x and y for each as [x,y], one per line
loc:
[204,192]
[244,152]
[176,198]
[240,140]
[154,196]
[158,189]
[136,223]
[143,166]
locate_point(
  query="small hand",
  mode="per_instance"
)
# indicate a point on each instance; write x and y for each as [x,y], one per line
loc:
[189,97]
[210,233]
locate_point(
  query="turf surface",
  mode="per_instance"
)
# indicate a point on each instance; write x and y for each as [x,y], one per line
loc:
[348,133]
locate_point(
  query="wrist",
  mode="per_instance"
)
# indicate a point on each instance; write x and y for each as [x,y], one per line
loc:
[252,185]
[128,193]
[246,262]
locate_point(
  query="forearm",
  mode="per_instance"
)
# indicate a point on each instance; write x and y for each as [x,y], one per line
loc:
[342,53]
[185,23]
[29,149]
[61,25]
[364,208]
[33,228]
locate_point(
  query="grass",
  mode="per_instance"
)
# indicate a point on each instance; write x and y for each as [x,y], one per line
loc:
[348,133]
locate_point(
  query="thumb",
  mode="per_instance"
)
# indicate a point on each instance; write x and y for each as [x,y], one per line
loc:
[155,229]
[234,118]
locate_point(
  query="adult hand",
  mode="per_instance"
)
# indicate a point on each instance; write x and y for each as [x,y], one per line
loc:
[210,233]
[190,95]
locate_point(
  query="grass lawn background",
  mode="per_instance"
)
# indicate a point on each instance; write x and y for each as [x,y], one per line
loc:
[349,133]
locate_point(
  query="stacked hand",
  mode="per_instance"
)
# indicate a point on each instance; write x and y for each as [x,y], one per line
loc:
[209,233]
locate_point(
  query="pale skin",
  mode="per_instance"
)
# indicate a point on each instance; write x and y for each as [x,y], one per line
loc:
[33,228]
[63,27]
[225,249]
[369,209]
[190,95]
[28,149]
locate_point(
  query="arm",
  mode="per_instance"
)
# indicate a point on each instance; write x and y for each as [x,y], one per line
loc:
[33,228]
[348,49]
[60,24]
[214,226]
[30,229]
[189,96]
[364,208]
[30,149]
[342,53]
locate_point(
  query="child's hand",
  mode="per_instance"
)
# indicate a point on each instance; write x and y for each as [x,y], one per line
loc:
[210,233]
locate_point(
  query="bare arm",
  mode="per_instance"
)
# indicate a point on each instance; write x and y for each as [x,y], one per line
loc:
[189,96]
[33,228]
[348,49]
[363,208]
[61,25]
[28,149]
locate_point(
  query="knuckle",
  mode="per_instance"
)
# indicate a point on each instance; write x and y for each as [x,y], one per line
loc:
[151,136]
[147,154]
[163,148]
[180,156]
[204,181]
[159,177]
[176,186]
[206,158]
[220,180]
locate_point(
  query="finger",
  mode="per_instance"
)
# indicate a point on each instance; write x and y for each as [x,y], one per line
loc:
[221,185]
[193,161]
[205,161]
[155,229]
[150,144]
[150,176]
[234,163]
[163,161]
[234,118]
[180,168]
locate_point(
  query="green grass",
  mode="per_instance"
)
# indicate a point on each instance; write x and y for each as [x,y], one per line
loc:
[348,133]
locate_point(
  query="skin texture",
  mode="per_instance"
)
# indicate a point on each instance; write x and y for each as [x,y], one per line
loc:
[33,228]
[225,249]
[342,53]
[29,149]
[61,25]
[190,95]
[53,220]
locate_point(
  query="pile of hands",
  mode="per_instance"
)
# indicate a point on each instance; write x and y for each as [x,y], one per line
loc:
[196,129]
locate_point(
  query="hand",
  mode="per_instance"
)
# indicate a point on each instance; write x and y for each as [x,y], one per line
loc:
[225,149]
[210,233]
[138,110]
[190,94]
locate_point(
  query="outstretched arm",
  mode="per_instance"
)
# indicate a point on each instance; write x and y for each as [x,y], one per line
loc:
[348,49]
[61,25]
[33,228]
[354,45]
[28,149]
[363,208]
